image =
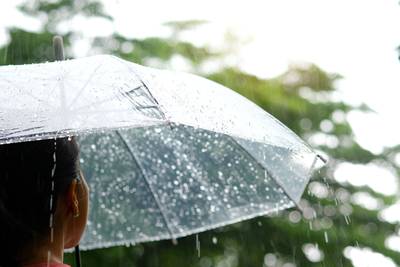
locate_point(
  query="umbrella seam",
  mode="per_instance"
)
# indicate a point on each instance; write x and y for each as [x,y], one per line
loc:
[312,167]
[268,172]
[86,84]
[147,182]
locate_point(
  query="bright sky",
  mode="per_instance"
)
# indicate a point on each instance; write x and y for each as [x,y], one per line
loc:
[357,39]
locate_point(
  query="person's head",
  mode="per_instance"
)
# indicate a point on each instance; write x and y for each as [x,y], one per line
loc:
[41,187]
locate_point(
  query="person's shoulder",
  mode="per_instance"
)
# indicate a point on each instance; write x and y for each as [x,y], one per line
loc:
[48,265]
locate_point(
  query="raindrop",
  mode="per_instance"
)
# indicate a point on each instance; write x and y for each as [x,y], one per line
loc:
[313,253]
[198,245]
[270,259]
[326,237]
[214,240]
[294,216]
[120,235]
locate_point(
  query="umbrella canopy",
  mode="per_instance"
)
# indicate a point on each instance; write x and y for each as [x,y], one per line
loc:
[166,154]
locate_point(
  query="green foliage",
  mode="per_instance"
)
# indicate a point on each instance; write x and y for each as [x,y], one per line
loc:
[26,47]
[179,26]
[154,48]
[309,75]
[301,98]
[56,11]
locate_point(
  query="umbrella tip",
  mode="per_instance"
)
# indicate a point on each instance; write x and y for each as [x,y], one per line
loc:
[58,46]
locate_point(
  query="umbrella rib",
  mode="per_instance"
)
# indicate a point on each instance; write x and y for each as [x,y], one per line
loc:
[147,182]
[85,85]
[268,172]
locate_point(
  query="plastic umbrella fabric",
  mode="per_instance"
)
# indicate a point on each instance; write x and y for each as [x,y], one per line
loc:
[166,154]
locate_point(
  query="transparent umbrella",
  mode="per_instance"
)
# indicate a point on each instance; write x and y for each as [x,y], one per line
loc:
[165,154]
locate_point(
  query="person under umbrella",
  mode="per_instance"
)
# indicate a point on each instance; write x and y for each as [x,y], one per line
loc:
[43,202]
[165,154]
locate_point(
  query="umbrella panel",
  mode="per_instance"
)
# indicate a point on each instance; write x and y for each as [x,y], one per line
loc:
[69,97]
[122,208]
[165,182]
[291,167]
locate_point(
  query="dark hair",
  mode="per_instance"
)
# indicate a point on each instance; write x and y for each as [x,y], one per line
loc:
[25,189]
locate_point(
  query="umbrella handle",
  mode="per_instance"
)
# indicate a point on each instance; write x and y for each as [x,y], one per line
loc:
[77,257]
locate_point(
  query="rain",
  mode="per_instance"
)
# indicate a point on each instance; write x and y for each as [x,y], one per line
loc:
[210,135]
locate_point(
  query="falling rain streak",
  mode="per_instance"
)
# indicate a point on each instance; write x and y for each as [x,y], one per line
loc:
[198,245]
[51,204]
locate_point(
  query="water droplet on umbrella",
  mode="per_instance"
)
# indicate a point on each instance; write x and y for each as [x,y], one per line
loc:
[326,237]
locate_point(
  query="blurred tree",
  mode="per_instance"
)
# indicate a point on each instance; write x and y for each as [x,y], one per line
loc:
[52,13]
[331,219]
